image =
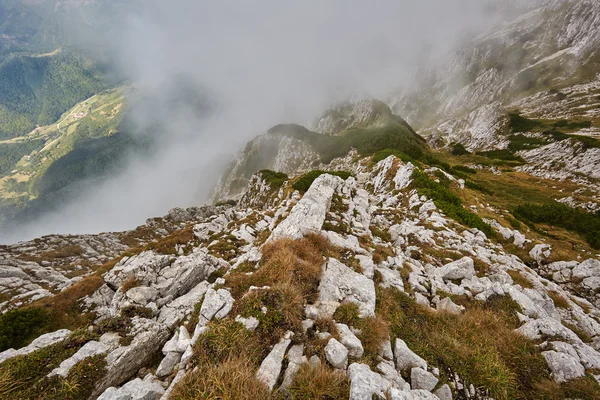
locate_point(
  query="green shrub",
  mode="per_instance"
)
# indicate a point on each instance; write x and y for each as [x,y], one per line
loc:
[563,216]
[303,183]
[20,326]
[522,124]
[448,202]
[383,154]
[11,153]
[478,187]
[464,169]
[274,179]
[459,150]
[504,155]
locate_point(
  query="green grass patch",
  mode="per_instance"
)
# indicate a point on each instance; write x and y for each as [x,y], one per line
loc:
[303,183]
[560,215]
[19,327]
[24,377]
[274,179]
[448,202]
[480,345]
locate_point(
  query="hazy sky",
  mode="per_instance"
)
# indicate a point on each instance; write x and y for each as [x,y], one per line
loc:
[262,63]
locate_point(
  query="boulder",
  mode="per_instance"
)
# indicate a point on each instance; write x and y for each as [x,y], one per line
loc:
[422,379]
[587,269]
[340,283]
[457,270]
[447,305]
[137,389]
[406,358]
[168,364]
[444,393]
[564,367]
[349,339]
[365,384]
[396,394]
[217,304]
[309,213]
[269,370]
[336,353]
[295,361]
[540,252]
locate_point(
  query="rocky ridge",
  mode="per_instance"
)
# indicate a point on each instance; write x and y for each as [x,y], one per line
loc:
[380,238]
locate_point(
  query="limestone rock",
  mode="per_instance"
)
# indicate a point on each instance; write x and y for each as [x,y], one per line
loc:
[444,393]
[563,366]
[406,358]
[308,214]
[269,370]
[422,379]
[365,384]
[44,340]
[89,349]
[336,353]
[340,283]
[456,270]
[137,389]
[349,339]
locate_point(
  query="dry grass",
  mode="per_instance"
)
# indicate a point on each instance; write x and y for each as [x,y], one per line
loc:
[381,253]
[182,237]
[374,332]
[319,383]
[581,388]
[227,339]
[519,279]
[63,252]
[296,262]
[480,345]
[559,300]
[285,307]
[233,379]
[130,283]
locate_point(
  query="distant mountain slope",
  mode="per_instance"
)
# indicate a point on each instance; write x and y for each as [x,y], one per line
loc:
[551,47]
[36,90]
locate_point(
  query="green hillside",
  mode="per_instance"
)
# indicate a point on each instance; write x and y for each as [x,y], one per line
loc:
[36,90]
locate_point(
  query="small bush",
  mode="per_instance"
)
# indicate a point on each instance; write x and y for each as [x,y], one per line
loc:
[229,202]
[478,187]
[303,183]
[274,179]
[522,124]
[233,379]
[563,216]
[464,169]
[383,154]
[136,311]
[347,313]
[319,383]
[20,326]
[504,155]
[459,150]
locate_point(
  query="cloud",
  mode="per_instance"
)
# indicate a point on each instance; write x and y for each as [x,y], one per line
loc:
[259,63]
